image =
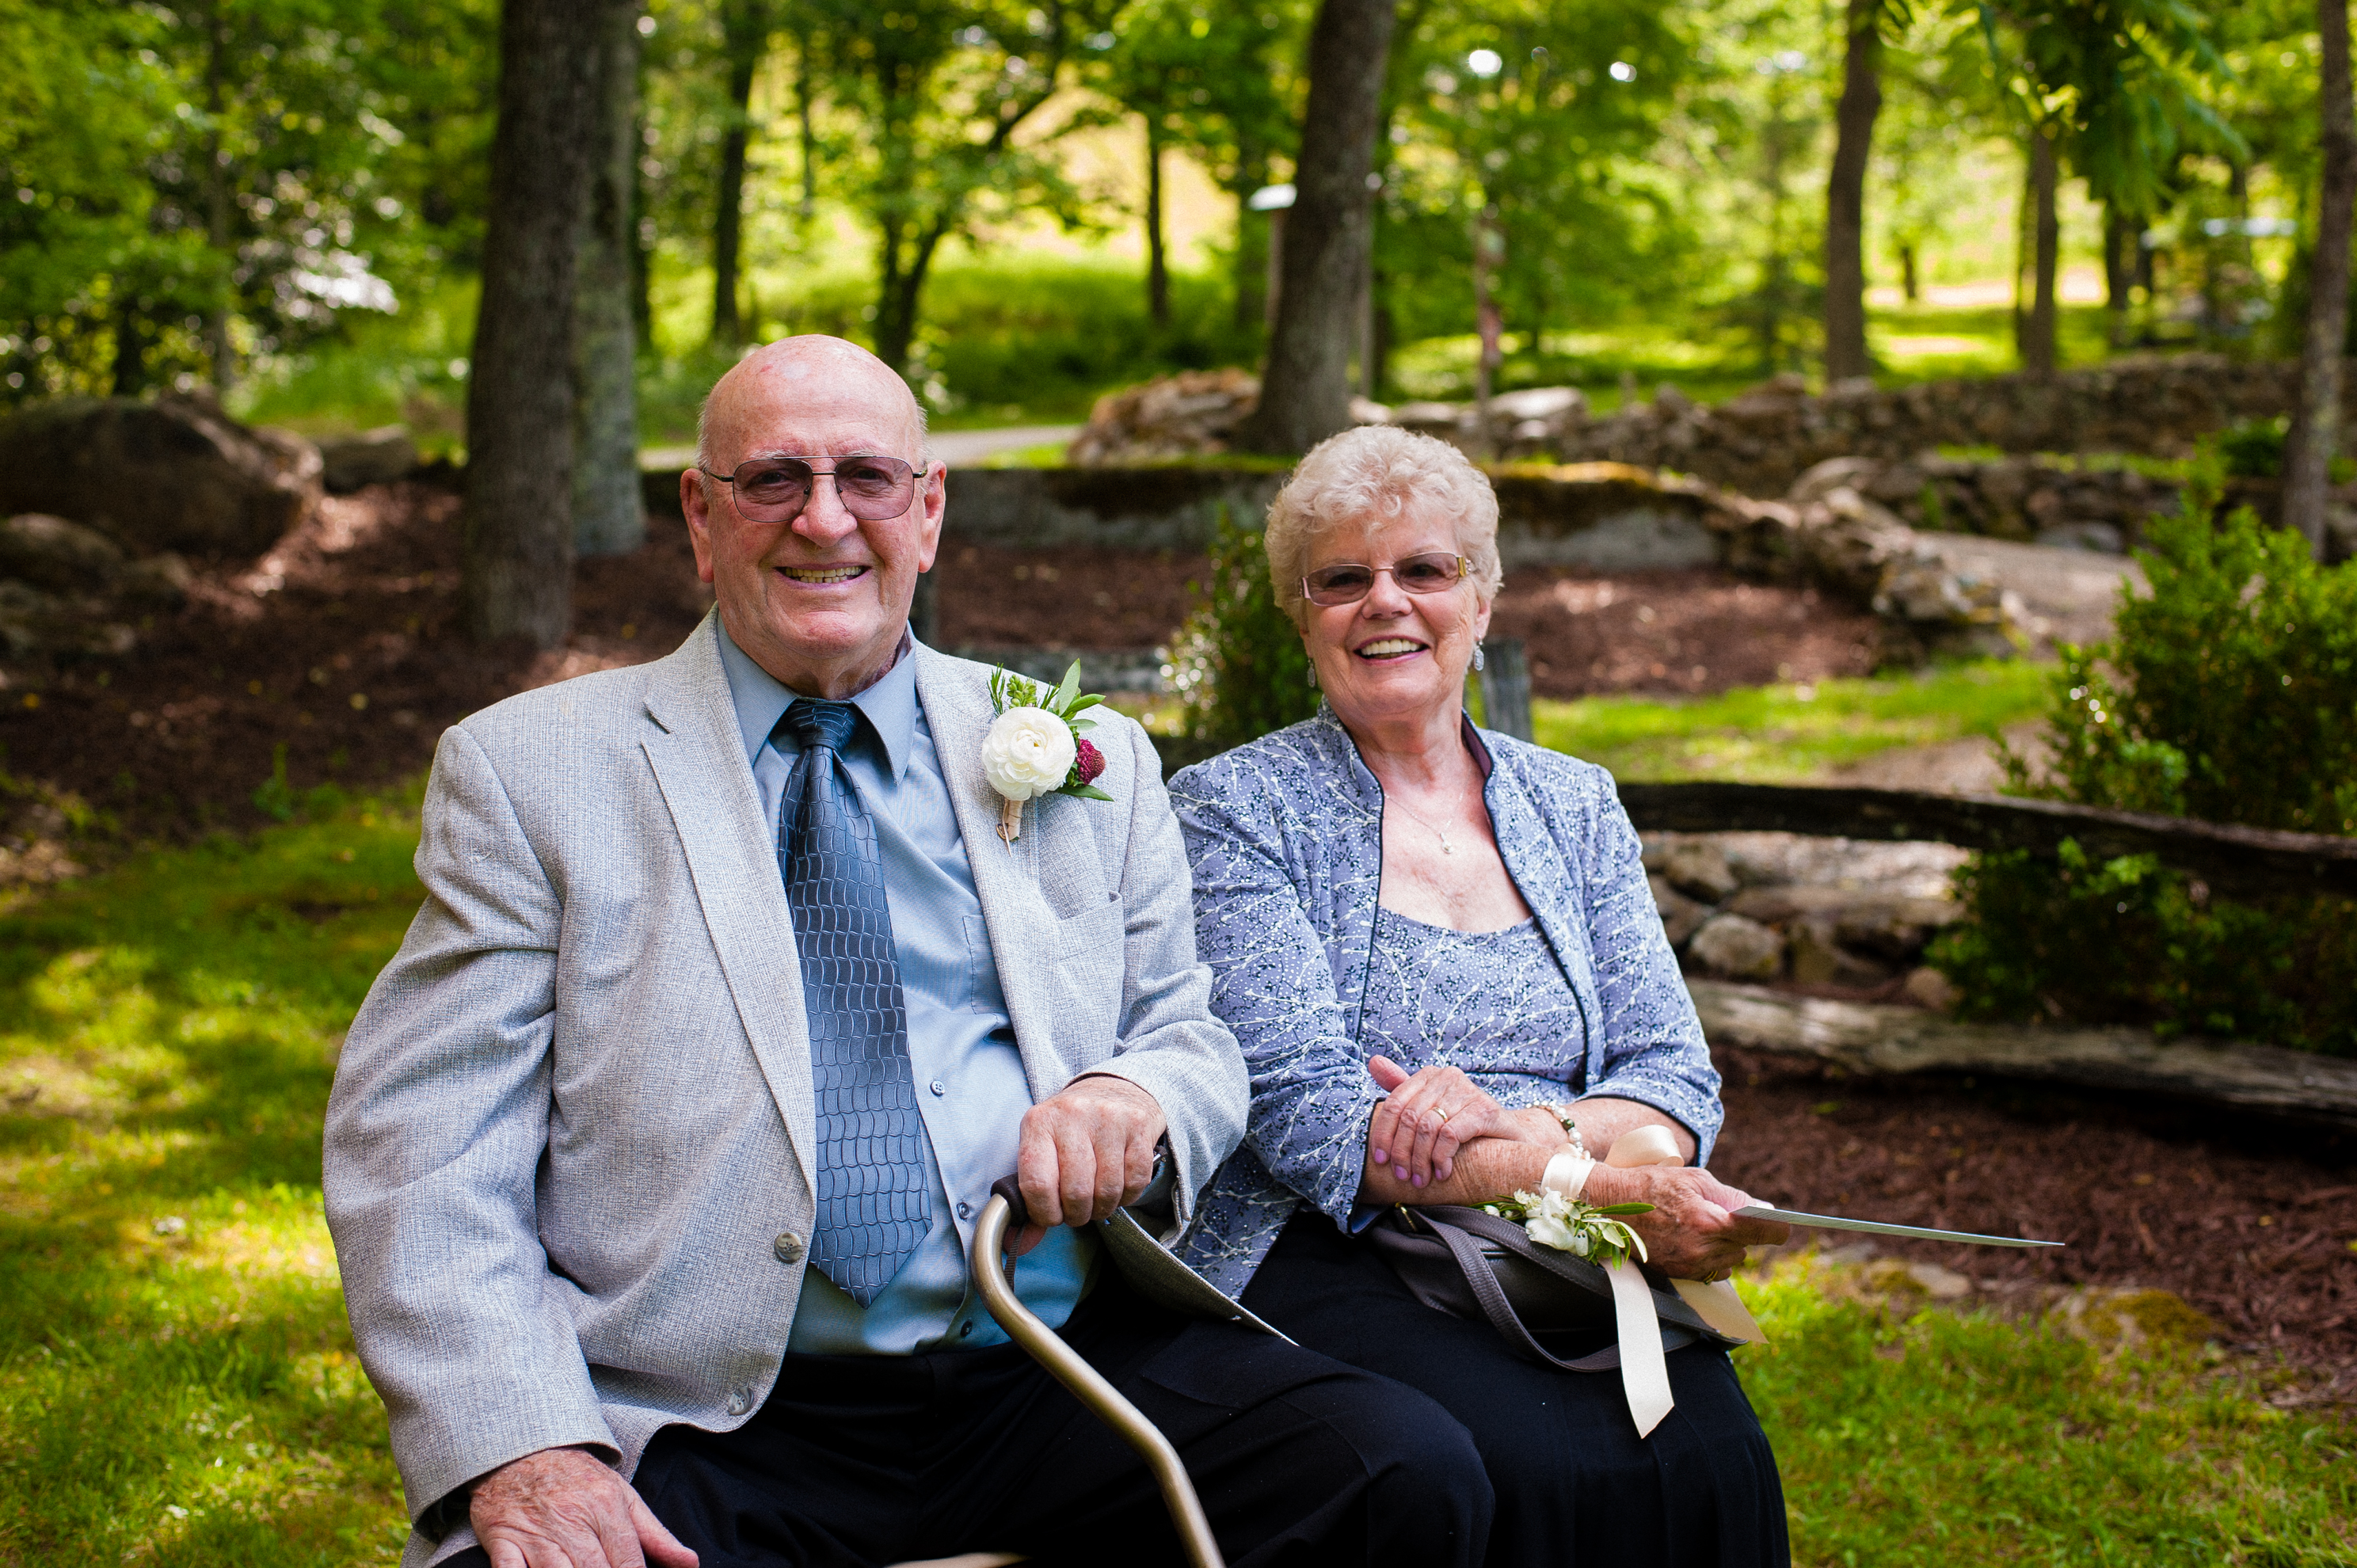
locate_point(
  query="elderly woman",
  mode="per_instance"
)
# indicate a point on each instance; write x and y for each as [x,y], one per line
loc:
[1438,948]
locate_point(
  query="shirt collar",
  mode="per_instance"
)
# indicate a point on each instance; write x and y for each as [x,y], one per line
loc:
[762,700]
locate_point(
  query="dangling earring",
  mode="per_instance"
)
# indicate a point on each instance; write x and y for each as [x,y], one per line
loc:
[1313,677]
[1480,662]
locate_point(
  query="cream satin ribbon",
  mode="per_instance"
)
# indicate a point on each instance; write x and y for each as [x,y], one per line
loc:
[1644,1369]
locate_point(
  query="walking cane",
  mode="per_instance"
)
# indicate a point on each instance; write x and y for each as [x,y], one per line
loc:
[1089,1386]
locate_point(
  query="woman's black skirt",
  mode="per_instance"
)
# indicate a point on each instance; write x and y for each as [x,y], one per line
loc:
[1574,1484]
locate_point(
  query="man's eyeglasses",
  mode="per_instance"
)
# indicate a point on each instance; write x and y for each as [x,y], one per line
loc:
[775,489]
[1348,582]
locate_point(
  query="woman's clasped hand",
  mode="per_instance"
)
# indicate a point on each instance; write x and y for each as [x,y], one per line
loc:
[1426,1116]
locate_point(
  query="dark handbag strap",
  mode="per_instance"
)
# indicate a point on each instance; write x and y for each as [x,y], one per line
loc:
[1501,1313]
[1457,1227]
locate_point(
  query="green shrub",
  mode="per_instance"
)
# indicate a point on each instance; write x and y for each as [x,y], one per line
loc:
[1238,663]
[2254,448]
[2229,693]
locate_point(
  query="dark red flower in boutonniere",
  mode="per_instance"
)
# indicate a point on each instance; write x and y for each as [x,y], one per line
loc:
[1089,763]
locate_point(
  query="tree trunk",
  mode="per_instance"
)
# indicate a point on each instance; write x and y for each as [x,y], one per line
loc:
[2316,426]
[2121,231]
[1252,240]
[1861,101]
[1158,271]
[130,347]
[517,530]
[1906,281]
[1305,387]
[215,184]
[642,237]
[2037,332]
[608,511]
[902,298]
[745,30]
[809,132]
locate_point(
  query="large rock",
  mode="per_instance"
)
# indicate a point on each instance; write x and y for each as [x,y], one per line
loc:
[57,556]
[177,474]
[348,463]
[1738,949]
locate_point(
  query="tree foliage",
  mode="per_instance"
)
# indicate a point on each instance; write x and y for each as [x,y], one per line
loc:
[282,162]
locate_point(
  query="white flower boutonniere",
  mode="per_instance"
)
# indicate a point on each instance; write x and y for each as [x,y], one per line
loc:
[1567,1224]
[1037,744]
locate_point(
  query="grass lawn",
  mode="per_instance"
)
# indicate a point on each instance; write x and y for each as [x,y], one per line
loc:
[178,1383]
[1777,735]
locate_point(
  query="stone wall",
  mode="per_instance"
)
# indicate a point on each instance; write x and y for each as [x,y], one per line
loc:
[1760,441]
[1602,516]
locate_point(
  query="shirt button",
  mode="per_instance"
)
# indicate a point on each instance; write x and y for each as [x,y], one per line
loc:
[938,1087]
[965,1211]
[788,1247]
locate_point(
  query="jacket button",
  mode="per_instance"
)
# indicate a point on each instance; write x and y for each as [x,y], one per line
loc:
[789,1248]
[740,1401]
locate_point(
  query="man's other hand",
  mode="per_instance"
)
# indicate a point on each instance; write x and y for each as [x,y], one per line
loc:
[562,1508]
[1085,1153]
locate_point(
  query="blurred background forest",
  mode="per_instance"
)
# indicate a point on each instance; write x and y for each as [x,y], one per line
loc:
[1025,205]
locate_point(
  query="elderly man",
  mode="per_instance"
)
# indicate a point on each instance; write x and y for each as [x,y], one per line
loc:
[654,1154]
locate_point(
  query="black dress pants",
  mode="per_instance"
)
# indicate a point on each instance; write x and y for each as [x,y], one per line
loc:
[863,1460]
[1575,1483]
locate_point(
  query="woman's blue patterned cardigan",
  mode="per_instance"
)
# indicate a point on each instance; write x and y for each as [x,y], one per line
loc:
[1285,839]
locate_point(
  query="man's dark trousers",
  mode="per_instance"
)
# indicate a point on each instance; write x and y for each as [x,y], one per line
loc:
[864,1460]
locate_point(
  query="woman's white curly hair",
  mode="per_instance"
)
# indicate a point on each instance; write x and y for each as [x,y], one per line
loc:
[1374,475]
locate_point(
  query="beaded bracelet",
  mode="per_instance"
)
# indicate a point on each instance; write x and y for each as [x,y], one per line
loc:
[1562,1113]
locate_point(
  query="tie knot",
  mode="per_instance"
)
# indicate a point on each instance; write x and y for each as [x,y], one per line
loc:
[821,725]
[814,723]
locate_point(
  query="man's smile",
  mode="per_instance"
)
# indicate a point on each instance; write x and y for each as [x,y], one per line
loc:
[822,576]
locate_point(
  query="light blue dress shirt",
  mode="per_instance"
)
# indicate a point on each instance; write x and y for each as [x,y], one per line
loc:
[971,1089]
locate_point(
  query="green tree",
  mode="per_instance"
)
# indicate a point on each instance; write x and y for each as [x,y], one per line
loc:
[195,188]
[1210,81]
[1543,121]
[940,88]
[2112,89]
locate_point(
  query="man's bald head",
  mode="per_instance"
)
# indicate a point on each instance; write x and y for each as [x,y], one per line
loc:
[814,376]
[819,598]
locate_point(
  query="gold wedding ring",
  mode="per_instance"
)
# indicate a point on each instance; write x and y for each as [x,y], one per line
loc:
[1447,1113]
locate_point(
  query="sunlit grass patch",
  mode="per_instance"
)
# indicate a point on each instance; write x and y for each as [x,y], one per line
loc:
[176,1377]
[1931,1437]
[1770,735]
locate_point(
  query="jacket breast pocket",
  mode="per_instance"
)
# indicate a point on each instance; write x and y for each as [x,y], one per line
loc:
[1089,929]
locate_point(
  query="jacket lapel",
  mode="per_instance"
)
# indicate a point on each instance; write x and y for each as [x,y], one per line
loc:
[1005,876]
[698,758]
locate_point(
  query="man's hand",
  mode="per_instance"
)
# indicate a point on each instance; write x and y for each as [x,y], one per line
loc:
[562,1508]
[1085,1153]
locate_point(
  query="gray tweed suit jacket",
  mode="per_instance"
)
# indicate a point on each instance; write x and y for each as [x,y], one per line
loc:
[574,1119]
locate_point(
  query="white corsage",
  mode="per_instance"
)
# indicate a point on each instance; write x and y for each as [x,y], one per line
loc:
[1037,744]
[1567,1224]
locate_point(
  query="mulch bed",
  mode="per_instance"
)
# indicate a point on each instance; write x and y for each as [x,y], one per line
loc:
[340,647]
[2250,1221]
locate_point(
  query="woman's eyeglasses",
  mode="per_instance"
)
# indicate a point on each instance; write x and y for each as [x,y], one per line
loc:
[775,489]
[1348,582]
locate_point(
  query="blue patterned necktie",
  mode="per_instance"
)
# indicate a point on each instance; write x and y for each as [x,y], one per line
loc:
[873,1206]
